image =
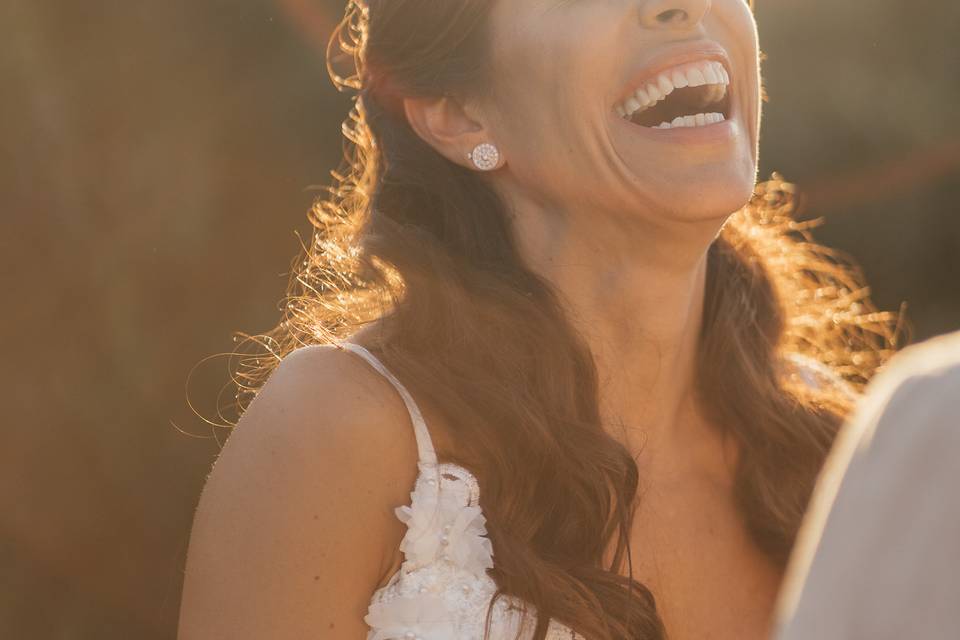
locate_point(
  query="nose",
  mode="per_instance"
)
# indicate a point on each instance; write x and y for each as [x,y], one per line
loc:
[674,14]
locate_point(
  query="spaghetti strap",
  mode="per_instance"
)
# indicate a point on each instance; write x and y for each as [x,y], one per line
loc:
[425,449]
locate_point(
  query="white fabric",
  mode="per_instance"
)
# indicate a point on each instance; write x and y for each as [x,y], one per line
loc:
[878,553]
[442,590]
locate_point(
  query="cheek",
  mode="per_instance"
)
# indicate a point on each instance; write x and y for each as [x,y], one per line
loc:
[738,15]
[739,22]
[545,100]
[541,156]
[554,147]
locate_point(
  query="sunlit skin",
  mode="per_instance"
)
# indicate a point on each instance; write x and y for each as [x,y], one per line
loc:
[619,218]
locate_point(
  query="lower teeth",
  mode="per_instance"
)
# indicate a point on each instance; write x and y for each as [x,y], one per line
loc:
[699,120]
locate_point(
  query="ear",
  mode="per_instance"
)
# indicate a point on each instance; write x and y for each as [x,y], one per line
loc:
[447,125]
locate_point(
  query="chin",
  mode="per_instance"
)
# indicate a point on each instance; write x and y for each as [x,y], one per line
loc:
[708,193]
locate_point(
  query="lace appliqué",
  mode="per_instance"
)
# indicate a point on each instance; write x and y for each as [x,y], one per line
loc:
[446,524]
[442,590]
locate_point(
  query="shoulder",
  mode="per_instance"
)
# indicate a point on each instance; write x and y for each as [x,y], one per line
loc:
[322,412]
[326,397]
[913,401]
[296,524]
[902,440]
[883,491]
[934,359]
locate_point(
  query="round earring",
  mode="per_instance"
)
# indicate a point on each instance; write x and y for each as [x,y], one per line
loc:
[484,156]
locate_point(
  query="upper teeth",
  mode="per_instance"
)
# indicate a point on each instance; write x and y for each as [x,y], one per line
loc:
[692,74]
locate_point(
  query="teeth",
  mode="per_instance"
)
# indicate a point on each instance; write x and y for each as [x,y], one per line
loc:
[711,75]
[695,77]
[715,73]
[696,74]
[664,84]
[699,120]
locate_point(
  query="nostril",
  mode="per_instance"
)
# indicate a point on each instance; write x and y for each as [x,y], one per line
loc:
[672,16]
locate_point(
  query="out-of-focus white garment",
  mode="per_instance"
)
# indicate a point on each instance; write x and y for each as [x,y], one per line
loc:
[878,556]
[442,590]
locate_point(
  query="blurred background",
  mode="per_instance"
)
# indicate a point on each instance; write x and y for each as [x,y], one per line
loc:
[156,162]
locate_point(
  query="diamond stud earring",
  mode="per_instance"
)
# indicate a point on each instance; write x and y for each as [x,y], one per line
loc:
[484,156]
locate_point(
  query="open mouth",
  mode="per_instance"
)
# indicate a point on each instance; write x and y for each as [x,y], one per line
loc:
[693,94]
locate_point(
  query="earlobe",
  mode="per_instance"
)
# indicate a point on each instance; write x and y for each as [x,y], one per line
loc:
[444,124]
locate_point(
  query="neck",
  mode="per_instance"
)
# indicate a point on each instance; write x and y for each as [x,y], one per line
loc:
[635,292]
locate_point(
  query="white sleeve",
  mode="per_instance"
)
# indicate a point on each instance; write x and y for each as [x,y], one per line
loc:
[878,556]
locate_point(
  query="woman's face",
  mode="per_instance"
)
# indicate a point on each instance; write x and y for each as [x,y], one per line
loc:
[566,113]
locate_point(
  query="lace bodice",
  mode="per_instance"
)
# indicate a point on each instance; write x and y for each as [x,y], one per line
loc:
[442,589]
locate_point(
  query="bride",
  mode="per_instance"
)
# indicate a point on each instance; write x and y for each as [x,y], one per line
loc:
[552,355]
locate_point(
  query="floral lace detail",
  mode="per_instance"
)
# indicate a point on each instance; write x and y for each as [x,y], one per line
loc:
[440,524]
[442,590]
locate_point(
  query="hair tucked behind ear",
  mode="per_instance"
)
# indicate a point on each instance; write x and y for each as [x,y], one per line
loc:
[425,247]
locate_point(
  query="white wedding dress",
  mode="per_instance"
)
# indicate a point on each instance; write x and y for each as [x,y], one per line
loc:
[442,590]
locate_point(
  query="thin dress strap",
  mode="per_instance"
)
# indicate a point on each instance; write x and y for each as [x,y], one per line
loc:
[425,448]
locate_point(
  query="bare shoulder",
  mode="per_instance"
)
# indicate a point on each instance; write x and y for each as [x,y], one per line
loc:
[325,406]
[295,527]
[327,393]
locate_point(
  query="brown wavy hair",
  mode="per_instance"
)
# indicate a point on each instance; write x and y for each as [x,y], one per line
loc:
[424,247]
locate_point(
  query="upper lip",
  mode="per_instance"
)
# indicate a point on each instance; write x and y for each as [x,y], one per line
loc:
[676,55]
